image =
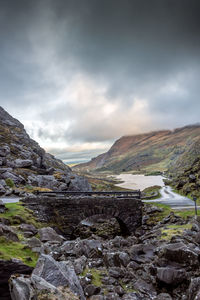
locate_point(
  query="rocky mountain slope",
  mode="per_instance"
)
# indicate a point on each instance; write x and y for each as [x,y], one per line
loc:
[25,166]
[154,151]
[188,182]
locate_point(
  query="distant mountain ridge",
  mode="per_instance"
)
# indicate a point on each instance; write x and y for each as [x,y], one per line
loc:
[158,150]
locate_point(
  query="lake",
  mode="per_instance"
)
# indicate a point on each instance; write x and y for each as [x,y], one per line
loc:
[139,182]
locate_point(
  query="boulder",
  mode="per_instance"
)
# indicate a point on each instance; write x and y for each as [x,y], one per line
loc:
[180,253]
[48,234]
[17,179]
[7,268]
[79,183]
[116,259]
[35,244]
[8,233]
[34,287]
[58,274]
[23,163]
[91,290]
[171,276]
[89,248]
[145,288]
[29,228]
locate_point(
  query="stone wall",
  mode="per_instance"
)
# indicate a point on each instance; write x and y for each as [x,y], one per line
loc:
[67,213]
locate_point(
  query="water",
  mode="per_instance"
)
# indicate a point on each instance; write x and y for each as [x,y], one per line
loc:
[168,197]
[139,182]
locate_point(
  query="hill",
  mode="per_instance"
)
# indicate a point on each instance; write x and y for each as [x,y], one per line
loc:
[155,151]
[25,166]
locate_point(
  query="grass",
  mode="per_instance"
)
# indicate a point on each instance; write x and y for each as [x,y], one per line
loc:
[127,287]
[96,276]
[157,217]
[9,250]
[171,230]
[152,189]
[10,182]
[16,211]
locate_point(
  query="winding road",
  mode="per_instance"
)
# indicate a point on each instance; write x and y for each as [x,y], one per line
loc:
[173,199]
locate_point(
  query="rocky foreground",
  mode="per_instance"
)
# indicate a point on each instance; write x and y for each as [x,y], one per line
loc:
[160,261]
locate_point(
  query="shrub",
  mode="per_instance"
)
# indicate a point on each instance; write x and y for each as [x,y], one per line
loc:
[10,183]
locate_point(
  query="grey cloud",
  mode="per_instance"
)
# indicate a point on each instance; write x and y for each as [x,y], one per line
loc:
[131,47]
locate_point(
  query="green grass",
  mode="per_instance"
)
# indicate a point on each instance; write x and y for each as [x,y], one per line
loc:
[185,213]
[152,189]
[9,249]
[157,217]
[17,209]
[171,230]
[96,276]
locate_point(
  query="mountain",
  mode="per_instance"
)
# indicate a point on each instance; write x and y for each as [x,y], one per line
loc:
[26,166]
[148,152]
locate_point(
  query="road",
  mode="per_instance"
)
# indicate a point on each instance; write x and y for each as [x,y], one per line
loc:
[173,199]
[10,199]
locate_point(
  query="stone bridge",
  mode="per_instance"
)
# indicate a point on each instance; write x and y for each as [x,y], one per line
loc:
[67,213]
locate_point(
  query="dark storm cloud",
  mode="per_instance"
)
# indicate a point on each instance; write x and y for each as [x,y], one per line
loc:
[140,59]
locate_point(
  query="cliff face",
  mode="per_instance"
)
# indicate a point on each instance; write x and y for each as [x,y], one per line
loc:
[160,151]
[24,163]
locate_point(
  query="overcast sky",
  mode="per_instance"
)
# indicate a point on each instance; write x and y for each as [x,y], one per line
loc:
[81,73]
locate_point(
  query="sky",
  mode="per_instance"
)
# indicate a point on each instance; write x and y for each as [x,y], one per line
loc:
[80,74]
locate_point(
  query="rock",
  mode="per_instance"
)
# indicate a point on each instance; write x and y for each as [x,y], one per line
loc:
[171,275]
[112,296]
[91,290]
[116,259]
[2,207]
[4,151]
[180,253]
[192,178]
[142,253]
[89,248]
[163,296]
[29,228]
[58,274]
[48,234]
[8,233]
[97,297]
[34,287]
[79,183]
[23,163]
[116,272]
[194,289]
[5,221]
[7,268]
[145,288]
[2,190]
[80,264]
[17,179]
[132,296]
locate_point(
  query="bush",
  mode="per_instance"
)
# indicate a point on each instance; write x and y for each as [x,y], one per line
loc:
[10,183]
